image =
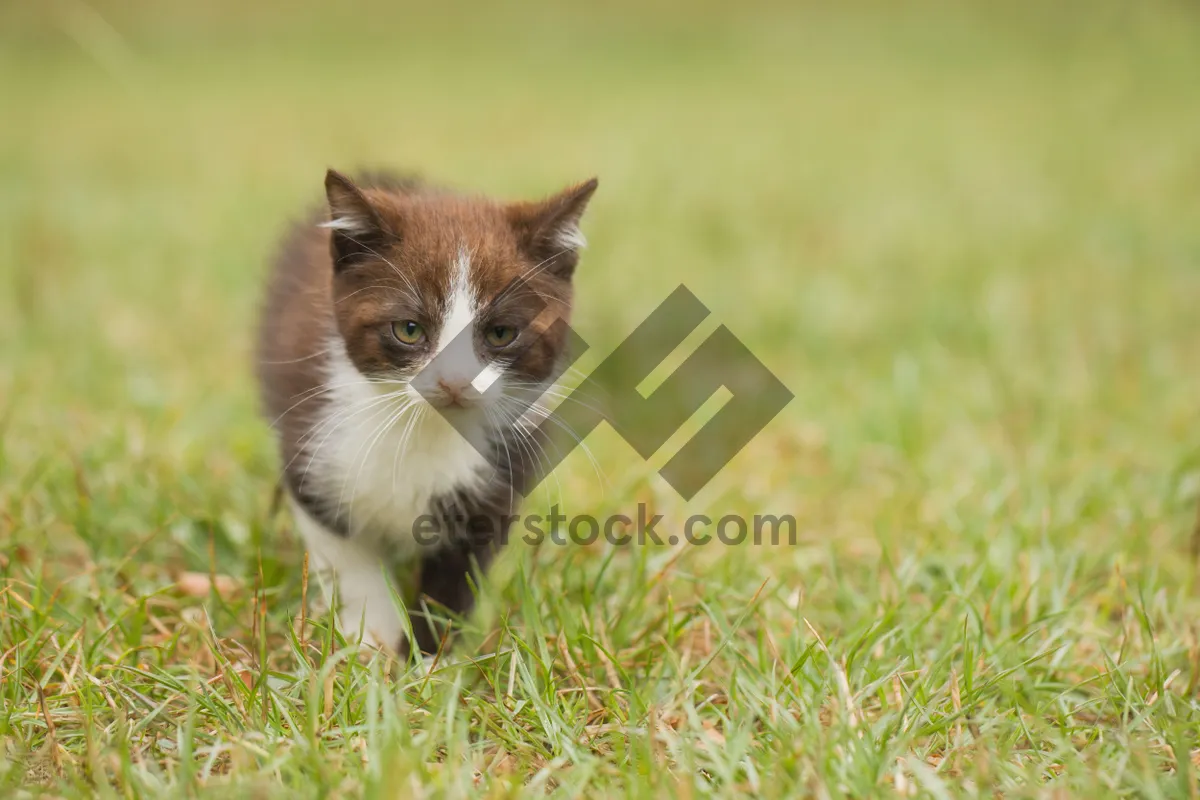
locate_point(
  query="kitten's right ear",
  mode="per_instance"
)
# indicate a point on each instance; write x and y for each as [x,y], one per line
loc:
[358,232]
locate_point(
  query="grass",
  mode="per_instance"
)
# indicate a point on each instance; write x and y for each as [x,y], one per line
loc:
[967,240]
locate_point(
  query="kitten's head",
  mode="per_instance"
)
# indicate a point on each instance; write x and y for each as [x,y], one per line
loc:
[477,283]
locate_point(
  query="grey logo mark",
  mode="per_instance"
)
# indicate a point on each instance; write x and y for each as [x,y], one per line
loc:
[648,422]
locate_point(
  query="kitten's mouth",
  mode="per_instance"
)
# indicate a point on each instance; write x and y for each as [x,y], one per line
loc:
[450,396]
[453,403]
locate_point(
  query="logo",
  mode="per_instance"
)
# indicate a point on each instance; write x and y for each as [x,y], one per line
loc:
[648,421]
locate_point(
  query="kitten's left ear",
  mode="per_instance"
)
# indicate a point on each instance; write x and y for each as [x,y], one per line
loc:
[549,230]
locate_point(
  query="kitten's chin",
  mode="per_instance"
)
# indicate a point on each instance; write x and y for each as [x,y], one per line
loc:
[470,422]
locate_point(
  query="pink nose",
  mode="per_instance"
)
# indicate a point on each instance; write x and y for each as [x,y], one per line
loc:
[452,390]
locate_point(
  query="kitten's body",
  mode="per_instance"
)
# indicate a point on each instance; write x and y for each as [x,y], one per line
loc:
[365,453]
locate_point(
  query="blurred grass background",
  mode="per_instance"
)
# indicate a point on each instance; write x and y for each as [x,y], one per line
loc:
[966,236]
[966,239]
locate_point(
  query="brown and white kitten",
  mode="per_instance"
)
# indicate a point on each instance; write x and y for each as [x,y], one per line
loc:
[358,304]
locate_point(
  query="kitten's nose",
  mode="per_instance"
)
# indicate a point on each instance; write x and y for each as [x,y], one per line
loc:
[454,391]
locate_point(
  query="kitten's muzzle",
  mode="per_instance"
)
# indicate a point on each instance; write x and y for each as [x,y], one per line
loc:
[451,393]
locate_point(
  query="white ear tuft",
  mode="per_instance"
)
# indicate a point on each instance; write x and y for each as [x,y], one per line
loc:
[569,237]
[549,229]
[358,232]
[348,224]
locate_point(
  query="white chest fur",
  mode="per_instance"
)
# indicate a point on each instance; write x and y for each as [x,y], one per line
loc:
[382,454]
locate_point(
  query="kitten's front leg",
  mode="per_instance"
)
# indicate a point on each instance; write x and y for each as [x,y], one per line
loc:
[366,607]
[447,577]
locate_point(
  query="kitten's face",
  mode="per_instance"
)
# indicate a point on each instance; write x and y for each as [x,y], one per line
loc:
[454,296]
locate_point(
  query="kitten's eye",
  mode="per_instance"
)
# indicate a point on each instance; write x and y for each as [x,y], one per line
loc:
[500,335]
[408,332]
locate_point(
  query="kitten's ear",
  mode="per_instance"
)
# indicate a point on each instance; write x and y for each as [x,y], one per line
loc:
[549,230]
[357,229]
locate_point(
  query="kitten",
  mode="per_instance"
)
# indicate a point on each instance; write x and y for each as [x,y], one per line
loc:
[373,432]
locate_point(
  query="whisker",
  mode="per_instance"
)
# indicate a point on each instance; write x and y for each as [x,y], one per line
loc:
[556,394]
[342,416]
[403,290]
[383,429]
[503,440]
[317,391]
[416,295]
[522,280]
[536,451]
[547,416]
[298,360]
[409,429]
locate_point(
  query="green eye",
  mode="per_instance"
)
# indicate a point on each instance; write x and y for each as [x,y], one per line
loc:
[500,335]
[408,332]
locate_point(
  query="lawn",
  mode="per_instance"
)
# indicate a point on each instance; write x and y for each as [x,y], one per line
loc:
[966,237]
